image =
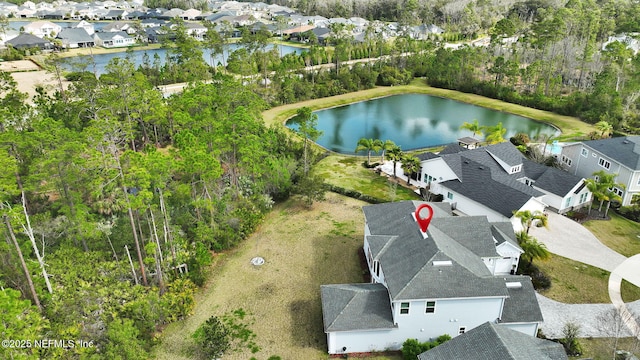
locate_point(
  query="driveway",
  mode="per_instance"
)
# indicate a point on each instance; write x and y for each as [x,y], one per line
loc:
[570,239]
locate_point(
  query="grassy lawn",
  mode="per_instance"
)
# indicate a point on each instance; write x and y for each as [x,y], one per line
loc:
[348,172]
[601,348]
[619,234]
[571,127]
[573,282]
[283,295]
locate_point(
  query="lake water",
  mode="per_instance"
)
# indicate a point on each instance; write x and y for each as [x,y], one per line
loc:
[413,121]
[102,60]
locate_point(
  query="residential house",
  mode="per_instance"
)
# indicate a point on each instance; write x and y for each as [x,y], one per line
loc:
[8,9]
[118,26]
[85,25]
[114,14]
[25,12]
[113,39]
[7,35]
[170,14]
[619,155]
[191,14]
[75,38]
[42,29]
[496,181]
[629,40]
[196,30]
[432,274]
[491,341]
[28,41]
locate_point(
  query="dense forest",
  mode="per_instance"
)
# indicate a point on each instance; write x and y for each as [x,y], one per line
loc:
[114,197]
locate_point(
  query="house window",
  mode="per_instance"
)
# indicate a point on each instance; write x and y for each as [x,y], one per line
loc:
[431,307]
[528,182]
[566,160]
[515,169]
[617,191]
[376,268]
[583,197]
[428,179]
[584,152]
[462,330]
[604,163]
[449,195]
[404,308]
[568,202]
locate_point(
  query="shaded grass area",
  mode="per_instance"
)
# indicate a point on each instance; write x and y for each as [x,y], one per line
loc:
[571,127]
[348,172]
[573,282]
[303,249]
[602,348]
[619,234]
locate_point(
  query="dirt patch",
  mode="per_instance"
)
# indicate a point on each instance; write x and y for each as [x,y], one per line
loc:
[29,81]
[18,66]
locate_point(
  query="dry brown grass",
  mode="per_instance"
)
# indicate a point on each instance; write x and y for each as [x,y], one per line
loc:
[303,249]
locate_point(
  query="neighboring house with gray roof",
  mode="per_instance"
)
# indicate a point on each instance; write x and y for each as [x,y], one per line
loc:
[491,341]
[75,38]
[447,279]
[113,39]
[498,180]
[28,41]
[619,155]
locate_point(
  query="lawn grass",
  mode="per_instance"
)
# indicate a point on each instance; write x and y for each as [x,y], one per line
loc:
[619,234]
[573,282]
[348,172]
[303,249]
[602,348]
[570,127]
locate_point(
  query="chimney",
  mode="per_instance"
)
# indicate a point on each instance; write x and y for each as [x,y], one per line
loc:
[423,223]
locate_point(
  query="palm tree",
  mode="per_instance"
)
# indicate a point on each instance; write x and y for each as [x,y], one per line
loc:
[386,146]
[495,134]
[533,249]
[369,145]
[594,187]
[474,127]
[394,154]
[605,184]
[604,127]
[528,217]
[609,196]
[410,165]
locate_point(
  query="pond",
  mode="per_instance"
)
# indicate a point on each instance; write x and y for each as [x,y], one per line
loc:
[101,60]
[413,121]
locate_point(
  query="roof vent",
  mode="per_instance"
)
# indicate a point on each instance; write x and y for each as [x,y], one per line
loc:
[514,285]
[442,263]
[625,142]
[480,167]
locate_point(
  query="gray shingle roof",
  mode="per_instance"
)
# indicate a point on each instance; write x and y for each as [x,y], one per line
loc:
[625,150]
[76,35]
[407,259]
[478,184]
[506,152]
[28,40]
[503,231]
[553,180]
[355,307]
[522,305]
[490,341]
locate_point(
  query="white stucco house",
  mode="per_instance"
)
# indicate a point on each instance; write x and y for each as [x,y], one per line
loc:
[496,181]
[42,29]
[443,278]
[113,39]
[619,155]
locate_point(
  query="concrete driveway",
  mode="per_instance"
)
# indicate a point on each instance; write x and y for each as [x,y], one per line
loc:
[570,239]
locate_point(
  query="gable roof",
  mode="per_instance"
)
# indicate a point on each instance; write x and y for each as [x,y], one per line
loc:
[553,180]
[625,150]
[409,260]
[355,307]
[75,35]
[111,35]
[478,184]
[490,341]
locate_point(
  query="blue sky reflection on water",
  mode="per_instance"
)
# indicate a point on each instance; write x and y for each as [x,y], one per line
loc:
[413,121]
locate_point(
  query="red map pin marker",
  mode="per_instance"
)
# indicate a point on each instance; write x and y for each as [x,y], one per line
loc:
[424,222]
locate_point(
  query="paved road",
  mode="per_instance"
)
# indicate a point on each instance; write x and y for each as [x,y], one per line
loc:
[567,238]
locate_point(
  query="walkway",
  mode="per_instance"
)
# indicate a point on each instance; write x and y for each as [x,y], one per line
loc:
[569,239]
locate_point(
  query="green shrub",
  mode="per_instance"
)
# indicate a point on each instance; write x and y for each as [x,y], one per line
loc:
[411,348]
[213,337]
